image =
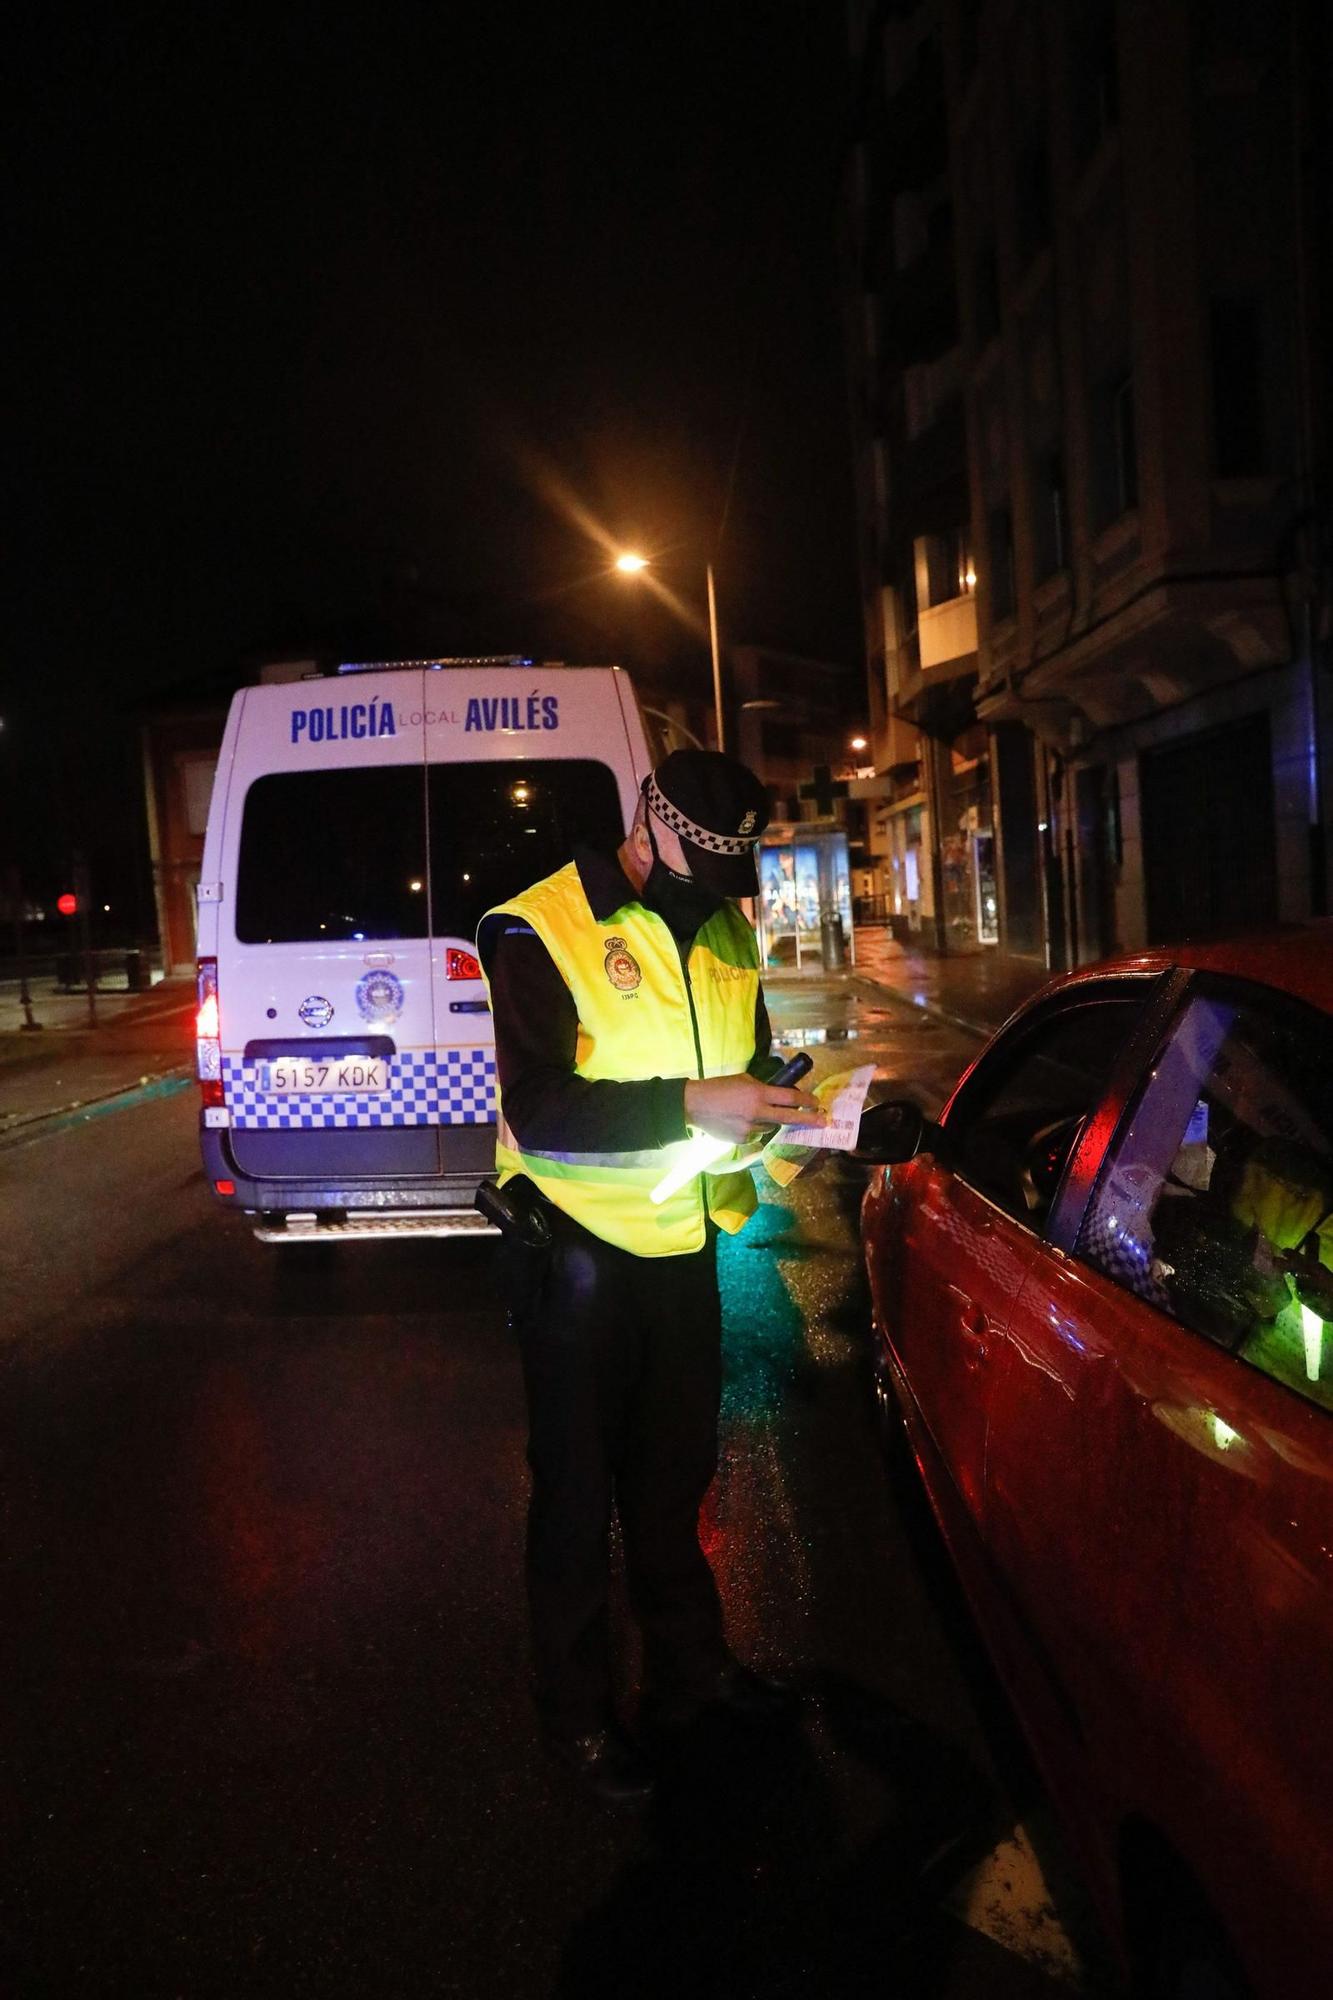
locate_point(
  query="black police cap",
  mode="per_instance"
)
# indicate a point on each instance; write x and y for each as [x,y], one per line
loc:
[718,809]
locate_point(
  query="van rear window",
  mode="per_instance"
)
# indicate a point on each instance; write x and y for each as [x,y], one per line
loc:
[496,828]
[333,854]
[343,854]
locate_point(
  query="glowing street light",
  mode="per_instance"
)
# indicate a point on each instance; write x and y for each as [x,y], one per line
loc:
[629,563]
[858,743]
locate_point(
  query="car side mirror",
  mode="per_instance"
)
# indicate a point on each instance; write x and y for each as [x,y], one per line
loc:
[893,1131]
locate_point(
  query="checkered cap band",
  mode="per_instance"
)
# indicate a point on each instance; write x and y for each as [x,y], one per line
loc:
[688,829]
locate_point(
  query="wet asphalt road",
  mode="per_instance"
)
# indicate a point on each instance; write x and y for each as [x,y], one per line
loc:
[265,1715]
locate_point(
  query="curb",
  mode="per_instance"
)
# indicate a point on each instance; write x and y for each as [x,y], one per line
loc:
[41,1124]
[981,1030]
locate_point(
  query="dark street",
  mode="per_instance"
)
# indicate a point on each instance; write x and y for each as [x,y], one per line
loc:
[268,1718]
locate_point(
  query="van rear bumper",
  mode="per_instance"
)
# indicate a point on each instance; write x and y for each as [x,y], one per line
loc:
[331,1201]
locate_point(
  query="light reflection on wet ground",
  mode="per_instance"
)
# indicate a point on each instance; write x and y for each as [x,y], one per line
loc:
[820,1569]
[843,1023]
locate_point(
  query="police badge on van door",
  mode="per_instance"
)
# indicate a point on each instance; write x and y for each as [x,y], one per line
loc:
[379,996]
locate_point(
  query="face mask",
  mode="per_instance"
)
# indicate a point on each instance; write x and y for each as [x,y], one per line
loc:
[679,900]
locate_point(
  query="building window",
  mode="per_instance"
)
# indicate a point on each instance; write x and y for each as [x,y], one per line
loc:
[1235,31]
[1094,74]
[1050,528]
[943,567]
[987,294]
[905,588]
[969,23]
[1115,464]
[1000,543]
[1033,198]
[1240,429]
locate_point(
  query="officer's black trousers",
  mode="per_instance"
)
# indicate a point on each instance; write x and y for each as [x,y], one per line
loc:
[622,1362]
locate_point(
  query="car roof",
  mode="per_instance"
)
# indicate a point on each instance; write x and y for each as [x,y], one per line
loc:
[1294,958]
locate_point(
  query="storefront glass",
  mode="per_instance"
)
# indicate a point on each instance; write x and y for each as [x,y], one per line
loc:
[802,884]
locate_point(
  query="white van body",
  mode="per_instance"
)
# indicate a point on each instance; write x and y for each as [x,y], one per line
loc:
[360,825]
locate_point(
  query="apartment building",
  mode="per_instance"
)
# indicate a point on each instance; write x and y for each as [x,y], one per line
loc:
[1086,250]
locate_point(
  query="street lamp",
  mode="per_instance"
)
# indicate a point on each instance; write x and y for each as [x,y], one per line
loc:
[629,563]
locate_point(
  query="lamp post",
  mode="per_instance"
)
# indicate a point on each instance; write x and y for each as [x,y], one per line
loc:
[630,564]
[717,659]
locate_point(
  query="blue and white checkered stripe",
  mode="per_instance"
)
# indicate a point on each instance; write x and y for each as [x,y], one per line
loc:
[426,1087]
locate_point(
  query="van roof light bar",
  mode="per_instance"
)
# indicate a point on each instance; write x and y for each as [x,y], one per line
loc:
[457,660]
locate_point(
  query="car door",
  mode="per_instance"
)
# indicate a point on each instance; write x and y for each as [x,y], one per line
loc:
[1159,1506]
[967,1219]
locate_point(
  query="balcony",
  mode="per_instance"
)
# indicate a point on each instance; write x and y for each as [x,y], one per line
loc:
[947,634]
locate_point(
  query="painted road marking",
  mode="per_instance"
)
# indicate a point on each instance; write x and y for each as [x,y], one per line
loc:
[1007,1899]
[42,1124]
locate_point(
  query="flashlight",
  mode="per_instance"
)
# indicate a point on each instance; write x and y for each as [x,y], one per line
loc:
[703,1151]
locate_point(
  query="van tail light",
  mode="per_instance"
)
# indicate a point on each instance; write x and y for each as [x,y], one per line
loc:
[460,964]
[208,1033]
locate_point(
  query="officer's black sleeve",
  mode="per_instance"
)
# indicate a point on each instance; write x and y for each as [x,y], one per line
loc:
[763,1038]
[549,1108]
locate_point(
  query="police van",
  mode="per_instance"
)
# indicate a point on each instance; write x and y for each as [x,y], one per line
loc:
[361,824]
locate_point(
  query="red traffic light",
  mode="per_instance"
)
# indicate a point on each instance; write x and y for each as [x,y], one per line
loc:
[67,904]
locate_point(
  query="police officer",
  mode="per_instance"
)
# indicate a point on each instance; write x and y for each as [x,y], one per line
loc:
[628,1014]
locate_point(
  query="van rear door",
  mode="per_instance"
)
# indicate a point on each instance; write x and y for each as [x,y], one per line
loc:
[523,767]
[324,950]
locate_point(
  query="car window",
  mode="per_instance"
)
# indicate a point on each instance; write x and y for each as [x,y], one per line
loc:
[1018,1117]
[1217,1203]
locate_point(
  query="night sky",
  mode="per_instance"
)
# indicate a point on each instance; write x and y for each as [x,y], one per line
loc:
[354,327]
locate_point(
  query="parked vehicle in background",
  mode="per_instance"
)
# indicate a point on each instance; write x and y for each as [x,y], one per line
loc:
[1102,1291]
[360,825]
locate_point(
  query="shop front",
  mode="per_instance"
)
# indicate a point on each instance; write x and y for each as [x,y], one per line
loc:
[804,916]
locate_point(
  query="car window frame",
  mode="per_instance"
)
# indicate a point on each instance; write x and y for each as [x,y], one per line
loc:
[1208,983]
[1163,991]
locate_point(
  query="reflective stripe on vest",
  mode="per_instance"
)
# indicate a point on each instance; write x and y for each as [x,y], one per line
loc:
[634,1013]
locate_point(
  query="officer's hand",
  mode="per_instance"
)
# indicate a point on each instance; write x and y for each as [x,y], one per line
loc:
[737,1107]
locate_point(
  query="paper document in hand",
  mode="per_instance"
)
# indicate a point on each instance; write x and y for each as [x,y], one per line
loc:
[842,1097]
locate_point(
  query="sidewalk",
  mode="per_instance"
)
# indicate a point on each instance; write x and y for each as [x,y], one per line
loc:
[66,1066]
[977,991]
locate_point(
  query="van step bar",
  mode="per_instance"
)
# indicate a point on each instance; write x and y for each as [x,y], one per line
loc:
[307,1228]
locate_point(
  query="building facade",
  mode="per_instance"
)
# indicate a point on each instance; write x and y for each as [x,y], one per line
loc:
[1086,251]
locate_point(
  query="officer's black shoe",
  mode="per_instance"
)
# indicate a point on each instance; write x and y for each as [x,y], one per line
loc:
[607,1765]
[735,1691]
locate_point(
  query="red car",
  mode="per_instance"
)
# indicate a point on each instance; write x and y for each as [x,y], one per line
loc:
[1102,1289]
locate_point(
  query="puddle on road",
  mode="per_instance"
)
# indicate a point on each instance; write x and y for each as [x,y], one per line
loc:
[813,1038]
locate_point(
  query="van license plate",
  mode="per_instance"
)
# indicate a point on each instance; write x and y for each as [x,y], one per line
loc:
[308,1077]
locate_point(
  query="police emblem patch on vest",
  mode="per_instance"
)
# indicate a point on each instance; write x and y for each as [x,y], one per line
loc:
[622,968]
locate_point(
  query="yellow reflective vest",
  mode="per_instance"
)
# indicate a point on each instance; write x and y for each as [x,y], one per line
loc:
[640,1016]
